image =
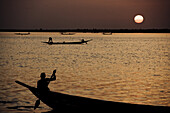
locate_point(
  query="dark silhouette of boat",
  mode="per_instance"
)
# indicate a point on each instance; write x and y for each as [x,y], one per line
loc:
[67,33]
[81,42]
[23,33]
[60,101]
[107,33]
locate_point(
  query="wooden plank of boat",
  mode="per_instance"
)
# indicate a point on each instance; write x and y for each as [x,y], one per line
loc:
[51,43]
[59,100]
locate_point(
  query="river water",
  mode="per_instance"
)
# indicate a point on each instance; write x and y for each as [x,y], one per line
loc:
[122,67]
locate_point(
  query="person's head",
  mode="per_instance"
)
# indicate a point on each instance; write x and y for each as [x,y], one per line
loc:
[42,75]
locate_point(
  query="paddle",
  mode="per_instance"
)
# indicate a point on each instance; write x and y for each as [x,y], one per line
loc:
[37,103]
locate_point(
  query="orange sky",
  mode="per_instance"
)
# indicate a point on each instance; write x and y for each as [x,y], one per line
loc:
[56,14]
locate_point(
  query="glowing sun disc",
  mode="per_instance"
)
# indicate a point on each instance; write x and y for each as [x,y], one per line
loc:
[138,19]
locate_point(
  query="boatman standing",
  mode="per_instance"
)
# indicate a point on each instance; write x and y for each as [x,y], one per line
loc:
[43,83]
[50,40]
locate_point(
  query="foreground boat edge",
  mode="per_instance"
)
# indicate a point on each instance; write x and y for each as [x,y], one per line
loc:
[94,104]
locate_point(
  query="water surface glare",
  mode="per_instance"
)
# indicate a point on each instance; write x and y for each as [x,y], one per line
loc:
[122,67]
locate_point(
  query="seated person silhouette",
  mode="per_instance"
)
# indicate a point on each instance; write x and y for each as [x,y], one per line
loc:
[82,40]
[43,83]
[50,40]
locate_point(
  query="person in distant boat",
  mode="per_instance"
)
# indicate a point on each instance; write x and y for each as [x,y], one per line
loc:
[43,83]
[50,40]
[82,40]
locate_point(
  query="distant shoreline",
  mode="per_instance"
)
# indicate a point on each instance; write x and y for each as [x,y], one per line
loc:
[91,30]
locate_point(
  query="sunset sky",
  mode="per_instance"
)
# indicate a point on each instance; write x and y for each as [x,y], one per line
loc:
[68,14]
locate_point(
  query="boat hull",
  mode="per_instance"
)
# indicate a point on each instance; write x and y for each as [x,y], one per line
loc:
[62,101]
[51,43]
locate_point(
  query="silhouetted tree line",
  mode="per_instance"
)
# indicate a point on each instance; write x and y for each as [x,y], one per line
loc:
[90,30]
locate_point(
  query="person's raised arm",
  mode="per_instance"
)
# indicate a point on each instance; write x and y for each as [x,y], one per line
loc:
[53,77]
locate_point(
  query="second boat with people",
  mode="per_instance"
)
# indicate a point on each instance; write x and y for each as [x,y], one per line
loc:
[50,42]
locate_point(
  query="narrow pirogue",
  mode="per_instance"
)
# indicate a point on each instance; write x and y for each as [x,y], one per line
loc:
[51,43]
[63,101]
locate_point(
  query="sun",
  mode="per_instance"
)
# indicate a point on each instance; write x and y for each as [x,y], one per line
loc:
[138,19]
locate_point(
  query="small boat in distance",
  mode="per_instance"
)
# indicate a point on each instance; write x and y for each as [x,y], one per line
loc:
[107,33]
[60,101]
[22,33]
[80,42]
[67,33]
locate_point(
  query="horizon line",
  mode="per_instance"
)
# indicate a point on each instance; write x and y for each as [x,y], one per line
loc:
[92,30]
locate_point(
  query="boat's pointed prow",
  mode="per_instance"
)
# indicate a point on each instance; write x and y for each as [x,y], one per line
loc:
[22,84]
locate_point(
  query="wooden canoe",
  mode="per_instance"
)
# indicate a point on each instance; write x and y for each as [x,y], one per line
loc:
[60,101]
[81,42]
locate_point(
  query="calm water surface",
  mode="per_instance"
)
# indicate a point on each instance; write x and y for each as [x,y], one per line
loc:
[122,67]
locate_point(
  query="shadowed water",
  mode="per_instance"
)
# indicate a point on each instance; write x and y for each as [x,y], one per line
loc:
[124,67]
